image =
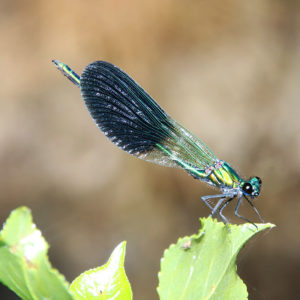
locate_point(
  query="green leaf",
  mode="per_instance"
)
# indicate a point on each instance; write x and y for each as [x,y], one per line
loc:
[106,282]
[24,264]
[203,266]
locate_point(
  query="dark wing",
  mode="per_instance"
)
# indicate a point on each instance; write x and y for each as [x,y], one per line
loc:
[133,121]
[126,114]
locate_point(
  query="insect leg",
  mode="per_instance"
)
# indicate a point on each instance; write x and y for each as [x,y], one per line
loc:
[236,212]
[208,197]
[221,209]
[255,209]
[217,206]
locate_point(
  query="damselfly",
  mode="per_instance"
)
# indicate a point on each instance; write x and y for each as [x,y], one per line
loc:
[133,121]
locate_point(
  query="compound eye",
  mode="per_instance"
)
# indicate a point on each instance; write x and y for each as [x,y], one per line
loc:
[247,188]
[258,179]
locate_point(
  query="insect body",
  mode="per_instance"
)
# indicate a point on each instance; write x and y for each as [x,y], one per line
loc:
[133,121]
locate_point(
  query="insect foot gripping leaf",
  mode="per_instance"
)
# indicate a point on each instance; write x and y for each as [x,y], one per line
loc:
[24,264]
[106,282]
[203,266]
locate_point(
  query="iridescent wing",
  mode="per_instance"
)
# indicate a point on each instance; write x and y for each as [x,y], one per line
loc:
[133,121]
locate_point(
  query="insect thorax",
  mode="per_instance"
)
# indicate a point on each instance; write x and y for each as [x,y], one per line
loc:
[221,175]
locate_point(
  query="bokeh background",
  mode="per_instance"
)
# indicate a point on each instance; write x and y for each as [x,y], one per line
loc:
[227,70]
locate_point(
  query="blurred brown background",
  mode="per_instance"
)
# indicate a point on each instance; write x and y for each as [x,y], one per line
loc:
[227,70]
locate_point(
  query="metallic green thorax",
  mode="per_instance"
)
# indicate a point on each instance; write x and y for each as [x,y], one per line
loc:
[221,175]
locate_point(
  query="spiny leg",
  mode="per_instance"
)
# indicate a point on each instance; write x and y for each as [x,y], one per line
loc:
[217,206]
[215,209]
[221,209]
[238,215]
[255,209]
[208,197]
